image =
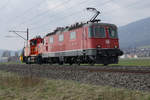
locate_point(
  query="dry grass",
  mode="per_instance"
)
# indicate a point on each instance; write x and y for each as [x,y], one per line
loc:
[13,87]
[8,79]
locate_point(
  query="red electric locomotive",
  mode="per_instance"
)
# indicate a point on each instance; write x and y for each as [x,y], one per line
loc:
[90,42]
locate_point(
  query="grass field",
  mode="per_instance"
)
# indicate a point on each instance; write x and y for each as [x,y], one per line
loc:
[13,87]
[12,63]
[133,62]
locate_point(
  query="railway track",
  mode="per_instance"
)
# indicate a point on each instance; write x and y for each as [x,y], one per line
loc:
[117,76]
[128,69]
[118,69]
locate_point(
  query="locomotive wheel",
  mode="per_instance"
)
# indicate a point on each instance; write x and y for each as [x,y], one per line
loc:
[105,64]
[70,63]
[39,60]
[50,63]
[78,63]
[92,63]
[28,60]
[61,63]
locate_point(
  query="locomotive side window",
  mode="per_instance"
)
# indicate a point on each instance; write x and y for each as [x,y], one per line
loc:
[33,42]
[99,32]
[61,37]
[72,35]
[112,32]
[51,39]
[90,32]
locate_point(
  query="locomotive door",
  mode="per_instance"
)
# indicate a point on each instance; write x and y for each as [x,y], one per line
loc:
[108,40]
[84,39]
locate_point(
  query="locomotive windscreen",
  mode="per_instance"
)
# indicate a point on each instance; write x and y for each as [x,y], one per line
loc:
[33,42]
[97,32]
[112,32]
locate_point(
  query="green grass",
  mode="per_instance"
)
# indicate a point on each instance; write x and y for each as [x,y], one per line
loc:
[133,62]
[13,87]
[147,46]
[8,63]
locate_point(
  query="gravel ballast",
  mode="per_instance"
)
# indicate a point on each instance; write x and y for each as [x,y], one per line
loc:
[134,81]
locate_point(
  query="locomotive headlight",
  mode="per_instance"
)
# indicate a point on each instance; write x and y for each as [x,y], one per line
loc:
[98,46]
[116,46]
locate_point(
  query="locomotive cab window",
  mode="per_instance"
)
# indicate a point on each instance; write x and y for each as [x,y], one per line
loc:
[90,32]
[72,35]
[51,39]
[112,32]
[33,43]
[97,32]
[61,37]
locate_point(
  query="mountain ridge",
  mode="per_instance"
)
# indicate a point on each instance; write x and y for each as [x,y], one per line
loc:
[135,34]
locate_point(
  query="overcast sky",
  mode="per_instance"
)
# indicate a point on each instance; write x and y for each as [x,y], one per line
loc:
[43,16]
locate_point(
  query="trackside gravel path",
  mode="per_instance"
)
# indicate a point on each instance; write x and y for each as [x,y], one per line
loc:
[136,78]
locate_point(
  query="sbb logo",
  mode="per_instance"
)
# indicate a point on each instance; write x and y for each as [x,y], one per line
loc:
[107,41]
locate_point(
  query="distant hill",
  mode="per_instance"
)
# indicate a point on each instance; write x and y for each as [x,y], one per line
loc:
[136,34]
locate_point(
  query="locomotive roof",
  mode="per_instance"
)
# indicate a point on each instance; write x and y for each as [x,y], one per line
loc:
[103,24]
[67,28]
[77,25]
[35,38]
